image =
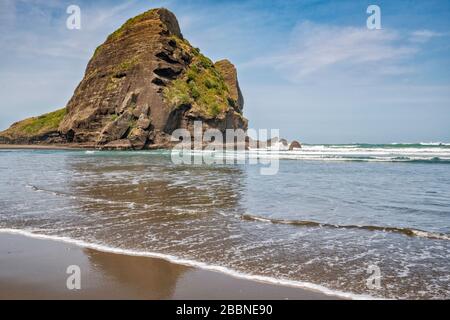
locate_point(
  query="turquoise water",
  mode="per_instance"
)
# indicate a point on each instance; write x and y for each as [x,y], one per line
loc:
[330,212]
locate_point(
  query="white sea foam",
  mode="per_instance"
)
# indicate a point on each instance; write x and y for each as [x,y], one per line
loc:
[393,152]
[435,144]
[191,263]
[431,152]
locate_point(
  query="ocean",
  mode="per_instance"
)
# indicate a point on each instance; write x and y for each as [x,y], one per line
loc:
[330,219]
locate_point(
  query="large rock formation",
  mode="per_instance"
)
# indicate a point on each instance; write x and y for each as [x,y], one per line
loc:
[141,84]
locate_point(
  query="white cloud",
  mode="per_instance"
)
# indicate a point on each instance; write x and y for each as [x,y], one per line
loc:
[422,36]
[101,16]
[42,32]
[331,50]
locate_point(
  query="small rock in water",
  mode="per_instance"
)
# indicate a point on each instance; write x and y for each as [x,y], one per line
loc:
[295,145]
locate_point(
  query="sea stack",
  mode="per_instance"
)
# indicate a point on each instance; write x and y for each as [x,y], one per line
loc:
[140,85]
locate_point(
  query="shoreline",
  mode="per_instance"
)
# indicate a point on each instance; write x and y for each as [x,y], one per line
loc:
[132,276]
[76,147]
[44,147]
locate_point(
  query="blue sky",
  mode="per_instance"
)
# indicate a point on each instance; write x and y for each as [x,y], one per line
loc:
[309,68]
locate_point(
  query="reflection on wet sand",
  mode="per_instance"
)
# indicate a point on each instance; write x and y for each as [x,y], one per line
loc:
[145,278]
[36,269]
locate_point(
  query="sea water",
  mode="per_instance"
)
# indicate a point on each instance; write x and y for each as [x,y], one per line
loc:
[324,221]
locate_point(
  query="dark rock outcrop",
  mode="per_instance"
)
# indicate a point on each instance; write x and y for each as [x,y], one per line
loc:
[229,72]
[141,84]
[295,145]
[283,142]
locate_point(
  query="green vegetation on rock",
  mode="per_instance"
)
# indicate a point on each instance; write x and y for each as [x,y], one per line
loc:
[36,126]
[201,86]
[119,32]
[125,66]
[132,21]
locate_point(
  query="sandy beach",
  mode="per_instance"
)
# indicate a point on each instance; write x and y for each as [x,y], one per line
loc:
[36,269]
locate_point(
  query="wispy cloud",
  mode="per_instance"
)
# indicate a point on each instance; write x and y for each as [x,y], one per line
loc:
[317,48]
[41,31]
[422,36]
[100,16]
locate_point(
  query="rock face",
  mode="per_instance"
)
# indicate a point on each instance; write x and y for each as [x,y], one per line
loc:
[295,145]
[229,72]
[144,82]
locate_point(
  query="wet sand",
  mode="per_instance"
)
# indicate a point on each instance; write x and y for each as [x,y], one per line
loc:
[36,269]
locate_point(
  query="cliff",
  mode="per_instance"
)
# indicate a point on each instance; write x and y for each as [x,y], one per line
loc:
[141,84]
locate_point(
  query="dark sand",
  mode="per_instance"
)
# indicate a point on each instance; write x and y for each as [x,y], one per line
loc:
[36,269]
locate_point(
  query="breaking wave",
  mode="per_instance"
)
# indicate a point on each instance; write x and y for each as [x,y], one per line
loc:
[432,152]
[306,223]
